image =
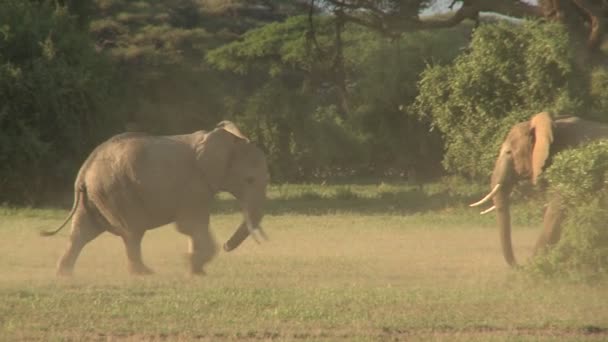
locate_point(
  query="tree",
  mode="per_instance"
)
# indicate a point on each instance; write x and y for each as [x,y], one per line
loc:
[159,46]
[290,96]
[508,73]
[54,94]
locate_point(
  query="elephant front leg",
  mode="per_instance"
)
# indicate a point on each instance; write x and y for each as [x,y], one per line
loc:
[201,245]
[201,249]
[133,245]
[552,221]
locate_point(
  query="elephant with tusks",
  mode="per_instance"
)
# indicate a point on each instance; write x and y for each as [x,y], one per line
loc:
[523,155]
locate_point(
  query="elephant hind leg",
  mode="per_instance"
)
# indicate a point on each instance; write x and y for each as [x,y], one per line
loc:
[132,242]
[84,230]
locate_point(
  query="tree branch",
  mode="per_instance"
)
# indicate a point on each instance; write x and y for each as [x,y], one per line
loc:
[390,25]
[597,21]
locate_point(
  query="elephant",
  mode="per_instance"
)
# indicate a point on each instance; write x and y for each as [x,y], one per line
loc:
[524,154]
[134,182]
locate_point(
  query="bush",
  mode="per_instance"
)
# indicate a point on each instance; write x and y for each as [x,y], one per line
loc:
[53,86]
[508,73]
[294,108]
[599,94]
[580,176]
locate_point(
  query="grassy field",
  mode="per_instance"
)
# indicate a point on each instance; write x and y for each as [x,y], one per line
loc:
[352,263]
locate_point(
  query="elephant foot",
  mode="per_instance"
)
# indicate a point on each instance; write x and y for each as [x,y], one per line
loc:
[197,269]
[64,272]
[197,261]
[140,270]
[198,273]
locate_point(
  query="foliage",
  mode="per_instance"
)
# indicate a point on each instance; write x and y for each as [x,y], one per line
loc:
[580,176]
[319,106]
[383,90]
[52,86]
[508,73]
[296,114]
[598,92]
[159,48]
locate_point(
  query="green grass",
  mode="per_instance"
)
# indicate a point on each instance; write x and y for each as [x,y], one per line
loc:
[360,265]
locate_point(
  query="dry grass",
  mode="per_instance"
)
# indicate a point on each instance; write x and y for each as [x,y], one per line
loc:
[326,277]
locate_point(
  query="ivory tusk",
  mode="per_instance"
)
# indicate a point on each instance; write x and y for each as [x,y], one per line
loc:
[254,235]
[488,210]
[487,198]
[252,231]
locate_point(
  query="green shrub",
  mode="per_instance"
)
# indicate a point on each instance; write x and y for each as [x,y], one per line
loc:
[508,73]
[53,93]
[294,108]
[599,94]
[581,177]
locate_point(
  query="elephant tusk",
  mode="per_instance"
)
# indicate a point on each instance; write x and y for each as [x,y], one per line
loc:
[488,210]
[254,235]
[252,231]
[487,198]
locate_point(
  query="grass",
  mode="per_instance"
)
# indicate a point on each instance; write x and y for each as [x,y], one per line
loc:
[345,262]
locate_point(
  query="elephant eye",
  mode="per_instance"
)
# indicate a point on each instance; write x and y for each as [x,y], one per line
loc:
[249,180]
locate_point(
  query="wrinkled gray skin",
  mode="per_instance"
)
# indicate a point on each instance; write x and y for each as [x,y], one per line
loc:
[523,155]
[134,182]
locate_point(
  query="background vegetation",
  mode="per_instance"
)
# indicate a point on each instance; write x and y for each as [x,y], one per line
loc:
[336,91]
[54,91]
[580,176]
[327,94]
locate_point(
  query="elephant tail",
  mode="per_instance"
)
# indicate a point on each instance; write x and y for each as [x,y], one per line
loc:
[77,194]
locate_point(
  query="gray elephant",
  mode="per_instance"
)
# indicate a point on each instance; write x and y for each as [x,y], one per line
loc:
[523,155]
[134,182]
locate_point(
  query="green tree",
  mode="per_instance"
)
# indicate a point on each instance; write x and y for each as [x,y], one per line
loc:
[159,49]
[281,103]
[298,113]
[508,73]
[53,86]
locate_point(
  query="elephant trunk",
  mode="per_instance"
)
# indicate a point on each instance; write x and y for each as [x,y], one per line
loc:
[237,238]
[503,179]
[504,175]
[503,216]
[249,226]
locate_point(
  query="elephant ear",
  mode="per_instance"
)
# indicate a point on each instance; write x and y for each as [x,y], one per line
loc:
[541,126]
[215,152]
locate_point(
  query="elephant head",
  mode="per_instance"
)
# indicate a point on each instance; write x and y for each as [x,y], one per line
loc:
[522,155]
[231,163]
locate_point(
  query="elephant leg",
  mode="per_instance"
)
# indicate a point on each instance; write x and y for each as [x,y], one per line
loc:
[84,230]
[201,245]
[132,242]
[554,215]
